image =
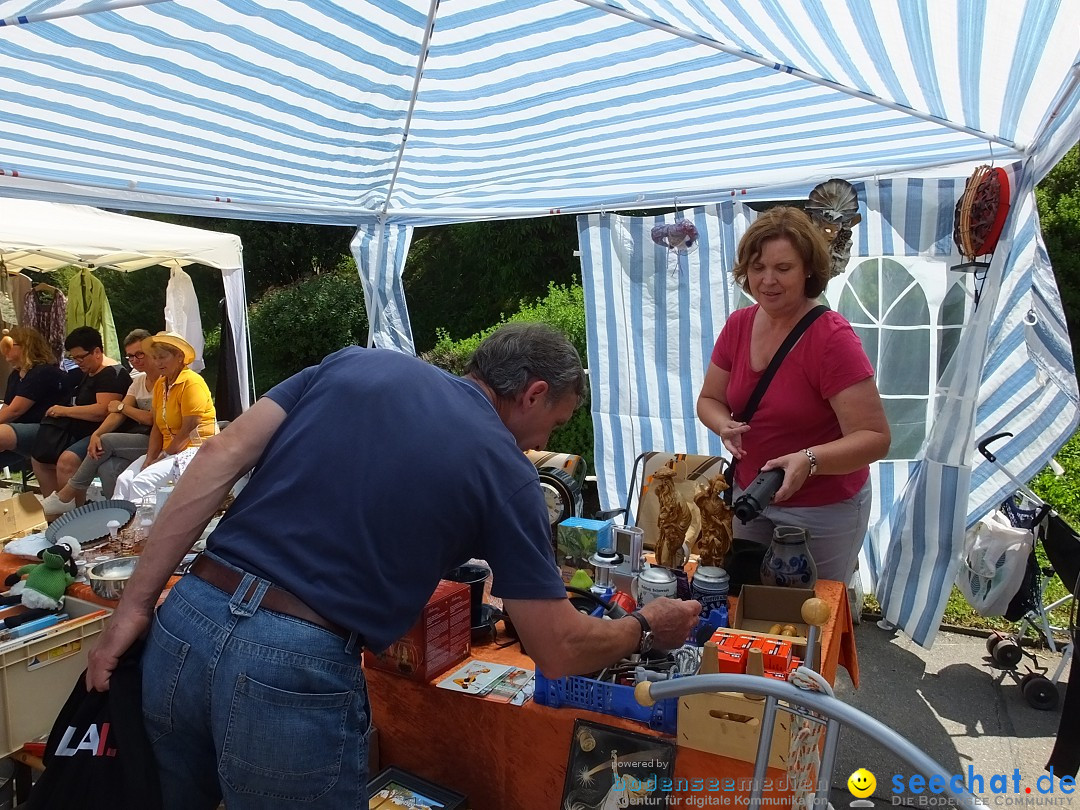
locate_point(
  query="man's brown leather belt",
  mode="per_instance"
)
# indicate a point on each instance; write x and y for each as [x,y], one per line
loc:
[280,601]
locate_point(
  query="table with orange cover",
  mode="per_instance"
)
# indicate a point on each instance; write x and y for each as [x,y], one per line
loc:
[507,757]
[10,563]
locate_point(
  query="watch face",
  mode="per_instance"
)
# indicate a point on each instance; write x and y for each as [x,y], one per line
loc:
[556,505]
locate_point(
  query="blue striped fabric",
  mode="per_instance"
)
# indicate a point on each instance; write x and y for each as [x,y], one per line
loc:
[653,316]
[299,111]
[380,253]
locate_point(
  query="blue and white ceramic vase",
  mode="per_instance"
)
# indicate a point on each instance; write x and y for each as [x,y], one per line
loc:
[788,561]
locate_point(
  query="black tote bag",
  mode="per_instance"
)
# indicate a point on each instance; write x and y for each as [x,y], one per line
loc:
[98,756]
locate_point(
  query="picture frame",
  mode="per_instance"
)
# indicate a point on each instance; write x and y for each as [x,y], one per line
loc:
[395,789]
[613,767]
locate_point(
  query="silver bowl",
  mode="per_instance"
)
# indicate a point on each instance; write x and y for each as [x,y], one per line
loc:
[107,579]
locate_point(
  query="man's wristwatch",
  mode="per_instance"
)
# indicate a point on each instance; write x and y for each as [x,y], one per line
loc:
[645,643]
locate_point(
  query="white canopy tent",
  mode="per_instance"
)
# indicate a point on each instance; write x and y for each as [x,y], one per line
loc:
[387,114]
[45,236]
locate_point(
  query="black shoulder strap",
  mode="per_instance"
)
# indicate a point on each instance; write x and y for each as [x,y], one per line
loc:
[778,358]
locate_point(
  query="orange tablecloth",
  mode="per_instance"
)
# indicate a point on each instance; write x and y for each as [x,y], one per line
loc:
[10,563]
[508,757]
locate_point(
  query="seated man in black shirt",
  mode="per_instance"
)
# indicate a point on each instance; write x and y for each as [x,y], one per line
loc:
[103,381]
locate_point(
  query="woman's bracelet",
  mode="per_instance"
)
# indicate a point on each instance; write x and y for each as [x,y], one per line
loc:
[813,460]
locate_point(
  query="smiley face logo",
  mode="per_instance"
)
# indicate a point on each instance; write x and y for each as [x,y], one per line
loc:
[861,783]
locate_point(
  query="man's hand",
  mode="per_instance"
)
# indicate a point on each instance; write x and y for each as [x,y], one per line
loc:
[123,631]
[671,621]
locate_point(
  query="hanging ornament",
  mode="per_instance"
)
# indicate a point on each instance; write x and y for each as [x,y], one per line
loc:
[680,236]
[980,215]
[834,208]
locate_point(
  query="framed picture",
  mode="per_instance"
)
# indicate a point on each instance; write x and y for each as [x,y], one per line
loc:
[613,768]
[395,789]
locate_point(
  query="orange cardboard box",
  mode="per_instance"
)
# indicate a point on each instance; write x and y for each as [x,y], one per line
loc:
[439,639]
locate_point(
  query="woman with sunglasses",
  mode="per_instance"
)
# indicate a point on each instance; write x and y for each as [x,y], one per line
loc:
[35,385]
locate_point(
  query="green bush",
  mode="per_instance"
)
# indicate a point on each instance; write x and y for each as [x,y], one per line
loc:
[563,308]
[296,326]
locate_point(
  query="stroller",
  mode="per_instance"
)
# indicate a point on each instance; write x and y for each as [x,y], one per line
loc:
[1028,606]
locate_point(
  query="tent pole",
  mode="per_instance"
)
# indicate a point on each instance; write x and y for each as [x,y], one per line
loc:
[81,11]
[432,9]
[600,5]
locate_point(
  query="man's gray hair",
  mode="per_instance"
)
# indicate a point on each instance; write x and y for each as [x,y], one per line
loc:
[517,354]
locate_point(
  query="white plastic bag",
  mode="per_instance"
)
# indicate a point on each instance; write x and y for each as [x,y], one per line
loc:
[992,571]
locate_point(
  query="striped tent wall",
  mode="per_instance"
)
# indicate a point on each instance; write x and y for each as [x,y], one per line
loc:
[639,300]
[380,252]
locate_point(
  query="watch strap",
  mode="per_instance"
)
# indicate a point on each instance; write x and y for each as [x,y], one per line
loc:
[645,626]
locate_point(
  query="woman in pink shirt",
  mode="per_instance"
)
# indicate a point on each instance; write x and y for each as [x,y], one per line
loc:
[821,419]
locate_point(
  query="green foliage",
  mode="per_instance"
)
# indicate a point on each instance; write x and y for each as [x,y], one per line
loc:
[461,278]
[297,326]
[1058,197]
[564,308]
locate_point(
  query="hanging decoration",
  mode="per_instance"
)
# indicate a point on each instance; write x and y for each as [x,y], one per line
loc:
[680,236]
[834,208]
[980,215]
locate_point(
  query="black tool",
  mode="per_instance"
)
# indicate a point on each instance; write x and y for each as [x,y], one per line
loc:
[758,495]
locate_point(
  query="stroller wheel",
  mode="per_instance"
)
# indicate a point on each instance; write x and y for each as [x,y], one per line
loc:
[992,641]
[1007,653]
[1041,693]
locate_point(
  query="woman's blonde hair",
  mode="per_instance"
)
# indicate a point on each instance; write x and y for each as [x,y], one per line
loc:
[795,225]
[35,349]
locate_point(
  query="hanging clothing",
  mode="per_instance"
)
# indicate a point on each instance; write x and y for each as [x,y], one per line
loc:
[45,309]
[227,394]
[89,306]
[182,314]
[13,289]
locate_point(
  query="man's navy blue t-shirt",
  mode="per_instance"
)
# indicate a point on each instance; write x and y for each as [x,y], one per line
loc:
[386,473]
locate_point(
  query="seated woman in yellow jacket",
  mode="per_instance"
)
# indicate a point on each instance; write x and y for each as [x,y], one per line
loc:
[183,416]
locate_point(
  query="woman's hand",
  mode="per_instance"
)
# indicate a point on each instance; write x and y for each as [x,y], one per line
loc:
[56,411]
[796,467]
[94,449]
[730,432]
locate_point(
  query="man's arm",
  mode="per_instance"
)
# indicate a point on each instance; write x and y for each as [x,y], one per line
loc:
[563,641]
[198,495]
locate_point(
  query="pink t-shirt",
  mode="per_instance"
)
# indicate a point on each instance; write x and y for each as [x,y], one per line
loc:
[795,411]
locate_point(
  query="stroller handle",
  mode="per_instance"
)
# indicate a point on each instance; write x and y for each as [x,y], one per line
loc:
[986,443]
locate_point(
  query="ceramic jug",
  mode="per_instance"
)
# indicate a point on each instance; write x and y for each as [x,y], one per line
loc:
[788,561]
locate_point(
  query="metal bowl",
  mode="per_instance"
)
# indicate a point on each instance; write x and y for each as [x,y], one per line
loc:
[108,578]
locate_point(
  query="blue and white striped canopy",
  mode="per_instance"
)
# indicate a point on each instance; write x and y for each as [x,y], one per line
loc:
[420,112]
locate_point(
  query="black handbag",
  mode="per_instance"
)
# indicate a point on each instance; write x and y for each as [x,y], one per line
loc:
[98,754]
[55,435]
[743,563]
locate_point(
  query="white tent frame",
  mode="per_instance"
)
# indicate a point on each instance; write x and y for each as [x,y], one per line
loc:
[44,236]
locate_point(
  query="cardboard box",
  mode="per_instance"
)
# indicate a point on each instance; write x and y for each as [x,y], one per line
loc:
[20,514]
[37,675]
[761,606]
[439,639]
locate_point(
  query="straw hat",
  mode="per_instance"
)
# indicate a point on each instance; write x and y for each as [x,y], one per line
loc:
[175,341]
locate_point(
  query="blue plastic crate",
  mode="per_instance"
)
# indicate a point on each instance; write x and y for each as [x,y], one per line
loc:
[607,698]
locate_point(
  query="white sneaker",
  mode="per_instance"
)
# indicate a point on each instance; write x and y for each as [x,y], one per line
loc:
[53,506]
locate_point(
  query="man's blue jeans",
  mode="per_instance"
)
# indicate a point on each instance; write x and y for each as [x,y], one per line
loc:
[260,708]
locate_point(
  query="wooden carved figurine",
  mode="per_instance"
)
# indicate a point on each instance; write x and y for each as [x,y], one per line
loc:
[714,540]
[672,521]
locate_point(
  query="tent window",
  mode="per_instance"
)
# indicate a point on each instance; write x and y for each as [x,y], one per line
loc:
[890,313]
[951,319]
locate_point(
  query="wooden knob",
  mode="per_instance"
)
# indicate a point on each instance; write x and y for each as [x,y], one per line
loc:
[643,694]
[816,612]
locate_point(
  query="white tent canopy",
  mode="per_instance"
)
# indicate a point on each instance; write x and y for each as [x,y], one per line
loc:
[388,114]
[45,236]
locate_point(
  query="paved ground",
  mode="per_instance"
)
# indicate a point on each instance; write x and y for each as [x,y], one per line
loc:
[951,703]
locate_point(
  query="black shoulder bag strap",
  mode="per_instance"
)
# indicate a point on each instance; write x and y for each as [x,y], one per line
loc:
[766,378]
